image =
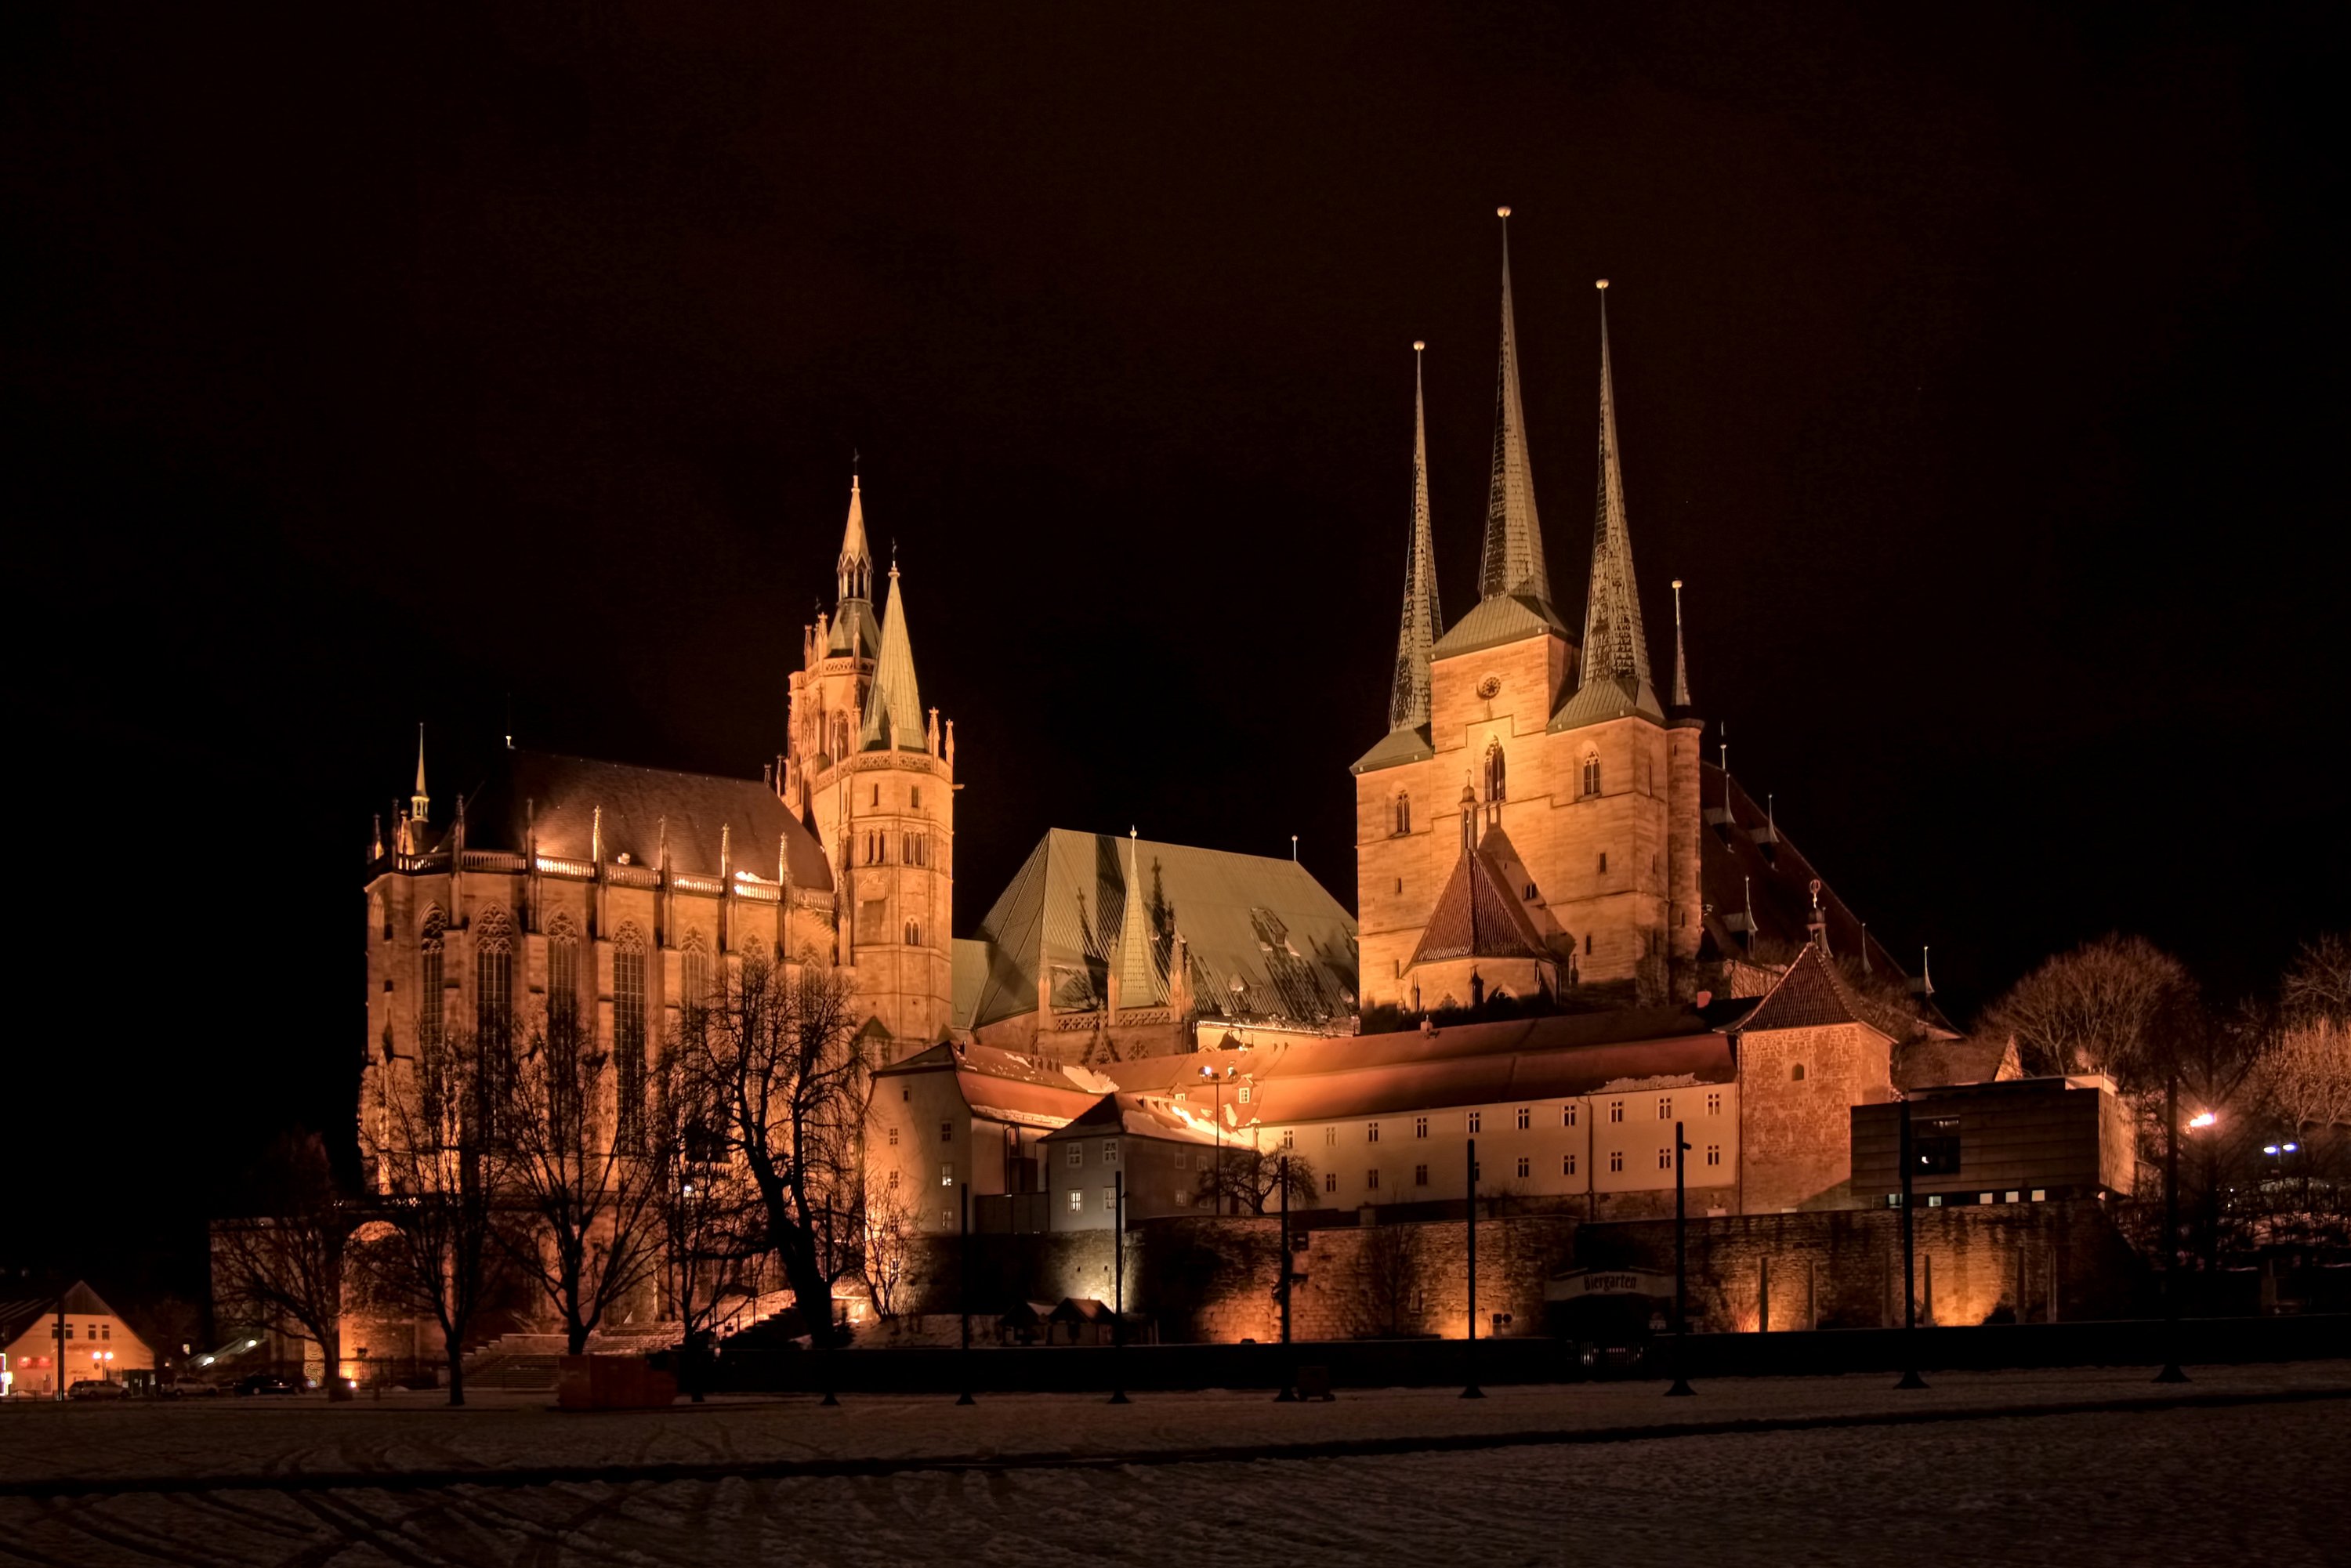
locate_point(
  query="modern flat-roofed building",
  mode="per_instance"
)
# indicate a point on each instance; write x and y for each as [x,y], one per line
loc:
[2022,1140]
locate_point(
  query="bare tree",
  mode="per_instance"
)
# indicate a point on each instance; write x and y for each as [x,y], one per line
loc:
[889,1249]
[1246,1178]
[2304,1080]
[712,1226]
[438,1165]
[283,1269]
[783,1062]
[2098,1009]
[1392,1264]
[582,1175]
[2318,984]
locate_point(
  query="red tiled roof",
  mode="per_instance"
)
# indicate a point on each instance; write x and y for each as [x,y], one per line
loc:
[1810,995]
[1479,915]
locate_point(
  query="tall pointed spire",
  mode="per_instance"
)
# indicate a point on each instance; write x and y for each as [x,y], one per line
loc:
[1513,559]
[1424,621]
[420,804]
[856,566]
[1614,647]
[1138,981]
[894,705]
[1681,697]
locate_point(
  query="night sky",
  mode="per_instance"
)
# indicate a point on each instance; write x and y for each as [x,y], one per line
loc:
[366,364]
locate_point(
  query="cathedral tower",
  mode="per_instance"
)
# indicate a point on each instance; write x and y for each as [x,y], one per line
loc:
[1580,788]
[872,772]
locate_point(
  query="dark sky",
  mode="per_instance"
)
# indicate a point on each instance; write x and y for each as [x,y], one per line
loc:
[373,364]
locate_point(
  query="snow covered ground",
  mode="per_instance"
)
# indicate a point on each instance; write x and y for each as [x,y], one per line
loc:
[1043,1480]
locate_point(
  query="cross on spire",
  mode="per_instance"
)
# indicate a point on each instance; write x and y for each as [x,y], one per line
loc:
[1513,562]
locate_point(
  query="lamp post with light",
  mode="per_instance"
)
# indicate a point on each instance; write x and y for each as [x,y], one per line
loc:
[2171,1372]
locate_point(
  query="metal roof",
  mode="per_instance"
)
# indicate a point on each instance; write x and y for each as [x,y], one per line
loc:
[559,798]
[1263,938]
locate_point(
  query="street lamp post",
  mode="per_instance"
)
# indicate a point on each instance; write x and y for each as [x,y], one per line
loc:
[1910,1378]
[963,1291]
[1118,1287]
[1469,1389]
[1288,1394]
[1681,1389]
[2171,1372]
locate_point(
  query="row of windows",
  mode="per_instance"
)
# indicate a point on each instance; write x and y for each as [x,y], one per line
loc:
[102,1331]
[1526,1168]
[1474,1121]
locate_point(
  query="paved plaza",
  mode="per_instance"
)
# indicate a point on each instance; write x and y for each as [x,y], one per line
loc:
[2078,1466]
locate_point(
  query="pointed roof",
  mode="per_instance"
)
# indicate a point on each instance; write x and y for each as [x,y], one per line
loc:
[1614,682]
[1811,994]
[854,553]
[1423,617]
[1479,915]
[1513,562]
[1681,697]
[853,618]
[1614,646]
[893,704]
[1140,983]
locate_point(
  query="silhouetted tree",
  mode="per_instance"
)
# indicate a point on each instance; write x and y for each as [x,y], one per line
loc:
[437,1252]
[282,1268]
[583,1177]
[781,1064]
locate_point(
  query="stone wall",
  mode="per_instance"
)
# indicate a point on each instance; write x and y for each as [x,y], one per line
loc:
[1213,1279]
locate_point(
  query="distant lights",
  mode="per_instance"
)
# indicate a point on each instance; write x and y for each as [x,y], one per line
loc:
[2202,1118]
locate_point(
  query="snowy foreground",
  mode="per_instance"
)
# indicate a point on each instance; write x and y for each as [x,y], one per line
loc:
[2014,1467]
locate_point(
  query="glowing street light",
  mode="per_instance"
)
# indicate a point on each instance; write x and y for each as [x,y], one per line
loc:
[2202,1118]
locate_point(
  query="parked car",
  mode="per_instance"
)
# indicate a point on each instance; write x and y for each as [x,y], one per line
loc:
[95,1389]
[266,1382]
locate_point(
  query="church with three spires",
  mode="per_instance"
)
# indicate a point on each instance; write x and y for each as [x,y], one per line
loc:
[1539,821]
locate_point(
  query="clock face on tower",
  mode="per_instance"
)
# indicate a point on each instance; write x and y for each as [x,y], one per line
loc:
[1491,687]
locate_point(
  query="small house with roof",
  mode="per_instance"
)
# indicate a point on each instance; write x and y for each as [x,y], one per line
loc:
[49,1343]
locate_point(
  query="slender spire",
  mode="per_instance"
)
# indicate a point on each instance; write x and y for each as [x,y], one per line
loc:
[893,706]
[1137,983]
[1614,647]
[1423,619]
[1513,559]
[420,804]
[856,566]
[1681,697]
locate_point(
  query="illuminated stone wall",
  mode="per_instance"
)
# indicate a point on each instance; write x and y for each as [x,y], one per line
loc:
[1213,1279]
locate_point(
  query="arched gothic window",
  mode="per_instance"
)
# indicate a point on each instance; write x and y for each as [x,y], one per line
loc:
[432,934]
[1403,812]
[628,1031]
[562,981]
[1590,783]
[1496,784]
[493,974]
[914,933]
[694,973]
